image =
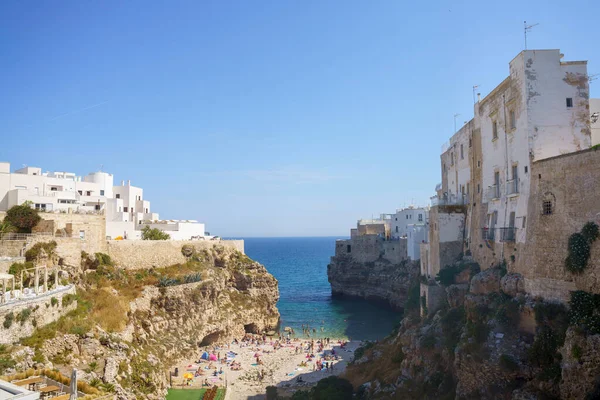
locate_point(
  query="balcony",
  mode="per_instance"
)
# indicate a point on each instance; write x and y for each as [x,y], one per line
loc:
[493,192]
[508,234]
[452,200]
[512,186]
[487,234]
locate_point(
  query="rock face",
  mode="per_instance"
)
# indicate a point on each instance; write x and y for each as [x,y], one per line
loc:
[379,280]
[512,284]
[486,282]
[168,324]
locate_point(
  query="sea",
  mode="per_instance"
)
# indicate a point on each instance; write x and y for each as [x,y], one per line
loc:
[300,266]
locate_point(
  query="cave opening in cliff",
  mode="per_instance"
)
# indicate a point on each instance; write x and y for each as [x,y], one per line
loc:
[251,328]
[211,338]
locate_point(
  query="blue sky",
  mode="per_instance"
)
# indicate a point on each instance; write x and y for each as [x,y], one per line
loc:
[263,118]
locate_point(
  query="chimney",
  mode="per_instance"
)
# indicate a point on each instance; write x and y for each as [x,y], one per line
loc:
[128,182]
[122,183]
[478,97]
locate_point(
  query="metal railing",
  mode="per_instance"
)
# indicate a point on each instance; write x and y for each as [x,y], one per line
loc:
[452,200]
[25,236]
[512,186]
[488,234]
[508,234]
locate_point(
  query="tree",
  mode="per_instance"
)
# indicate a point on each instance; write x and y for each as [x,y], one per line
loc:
[271,392]
[154,234]
[22,217]
[333,388]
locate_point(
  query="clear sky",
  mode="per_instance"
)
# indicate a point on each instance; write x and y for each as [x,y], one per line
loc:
[263,118]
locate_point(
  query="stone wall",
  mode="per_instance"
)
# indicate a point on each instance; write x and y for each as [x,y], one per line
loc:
[6,262]
[434,295]
[140,254]
[369,248]
[91,228]
[12,248]
[42,312]
[372,229]
[446,229]
[572,184]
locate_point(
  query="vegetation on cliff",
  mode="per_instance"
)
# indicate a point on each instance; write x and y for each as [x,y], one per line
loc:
[487,339]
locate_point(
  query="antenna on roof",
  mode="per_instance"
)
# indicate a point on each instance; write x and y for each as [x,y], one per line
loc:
[455,115]
[101,166]
[527,28]
[593,77]
[474,88]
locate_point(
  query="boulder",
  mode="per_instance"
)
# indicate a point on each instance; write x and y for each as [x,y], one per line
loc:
[456,294]
[512,284]
[486,282]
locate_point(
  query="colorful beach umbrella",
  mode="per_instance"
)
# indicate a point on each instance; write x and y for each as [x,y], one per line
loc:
[188,375]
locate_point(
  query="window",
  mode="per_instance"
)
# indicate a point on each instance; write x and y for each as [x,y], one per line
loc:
[80,192]
[547,207]
[478,188]
[348,248]
[406,216]
[569,102]
[124,209]
[146,211]
[53,189]
[524,221]
[462,155]
[467,187]
[396,229]
[451,158]
[478,163]
[117,196]
[513,120]
[470,142]
[88,193]
[97,207]
[102,193]
[494,130]
[396,219]
[526,169]
[420,217]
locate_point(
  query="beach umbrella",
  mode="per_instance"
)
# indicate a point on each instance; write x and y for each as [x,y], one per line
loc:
[204,356]
[188,375]
[73,395]
[212,357]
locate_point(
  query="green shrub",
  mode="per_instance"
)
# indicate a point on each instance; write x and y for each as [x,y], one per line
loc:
[424,304]
[478,330]
[576,352]
[427,342]
[22,217]
[590,231]
[33,253]
[508,314]
[452,323]
[398,357]
[579,253]
[68,299]
[53,301]
[447,275]
[165,281]
[332,388]
[104,259]
[543,351]
[585,311]
[24,315]
[359,352]
[8,320]
[508,363]
[154,234]
[6,363]
[191,278]
[579,247]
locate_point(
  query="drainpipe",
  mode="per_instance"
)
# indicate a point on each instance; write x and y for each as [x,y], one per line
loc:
[506,171]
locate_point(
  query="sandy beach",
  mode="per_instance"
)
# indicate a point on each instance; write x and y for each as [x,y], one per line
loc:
[280,365]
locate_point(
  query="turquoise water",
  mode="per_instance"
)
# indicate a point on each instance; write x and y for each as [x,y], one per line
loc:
[300,266]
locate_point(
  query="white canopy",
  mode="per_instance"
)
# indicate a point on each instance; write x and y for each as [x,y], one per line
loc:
[6,276]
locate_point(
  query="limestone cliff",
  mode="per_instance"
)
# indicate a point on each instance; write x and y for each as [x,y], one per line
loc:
[491,341]
[139,324]
[379,277]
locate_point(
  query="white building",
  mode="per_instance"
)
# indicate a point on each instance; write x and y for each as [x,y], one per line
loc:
[456,170]
[178,230]
[405,217]
[417,234]
[541,110]
[124,206]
